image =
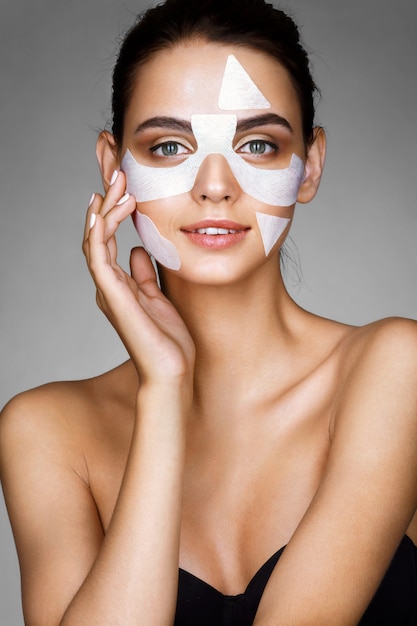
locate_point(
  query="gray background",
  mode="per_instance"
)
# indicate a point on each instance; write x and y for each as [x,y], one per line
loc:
[356,241]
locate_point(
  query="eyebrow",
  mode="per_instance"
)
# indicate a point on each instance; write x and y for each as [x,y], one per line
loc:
[263,120]
[174,123]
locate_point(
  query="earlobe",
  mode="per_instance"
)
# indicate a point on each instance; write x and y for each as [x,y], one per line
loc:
[107,157]
[314,166]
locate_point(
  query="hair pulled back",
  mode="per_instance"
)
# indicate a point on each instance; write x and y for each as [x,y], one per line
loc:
[250,23]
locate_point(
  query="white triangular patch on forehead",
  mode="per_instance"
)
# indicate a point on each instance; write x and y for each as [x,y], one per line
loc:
[238,91]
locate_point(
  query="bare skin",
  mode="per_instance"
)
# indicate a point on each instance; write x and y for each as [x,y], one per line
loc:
[216,443]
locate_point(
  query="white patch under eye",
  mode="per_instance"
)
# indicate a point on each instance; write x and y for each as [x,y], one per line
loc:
[214,135]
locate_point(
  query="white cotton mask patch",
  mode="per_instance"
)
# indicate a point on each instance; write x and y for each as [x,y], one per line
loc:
[161,248]
[238,91]
[271,228]
[214,135]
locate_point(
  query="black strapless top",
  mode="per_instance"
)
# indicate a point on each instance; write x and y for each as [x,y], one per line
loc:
[394,604]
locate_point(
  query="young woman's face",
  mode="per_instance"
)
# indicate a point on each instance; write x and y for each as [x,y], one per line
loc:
[220,175]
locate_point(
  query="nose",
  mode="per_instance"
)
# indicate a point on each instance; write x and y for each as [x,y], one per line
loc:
[215,181]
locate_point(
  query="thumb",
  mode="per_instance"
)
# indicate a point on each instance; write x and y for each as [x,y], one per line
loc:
[143,271]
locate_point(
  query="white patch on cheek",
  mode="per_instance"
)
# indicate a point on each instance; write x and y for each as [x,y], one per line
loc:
[161,248]
[271,228]
[238,91]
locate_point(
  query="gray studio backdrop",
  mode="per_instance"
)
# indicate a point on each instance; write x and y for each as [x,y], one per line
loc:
[356,241]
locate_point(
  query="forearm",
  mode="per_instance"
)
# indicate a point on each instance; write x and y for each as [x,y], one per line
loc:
[134,578]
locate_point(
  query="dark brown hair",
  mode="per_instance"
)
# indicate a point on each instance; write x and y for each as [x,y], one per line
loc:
[250,23]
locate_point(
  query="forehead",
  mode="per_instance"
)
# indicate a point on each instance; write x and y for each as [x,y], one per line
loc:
[187,79]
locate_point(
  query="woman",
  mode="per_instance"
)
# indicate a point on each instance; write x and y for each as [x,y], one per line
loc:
[241,423]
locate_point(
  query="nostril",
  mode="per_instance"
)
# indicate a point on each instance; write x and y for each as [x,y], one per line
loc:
[227,198]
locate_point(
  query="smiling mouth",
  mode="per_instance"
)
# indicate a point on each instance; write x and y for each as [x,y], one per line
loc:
[215,231]
[215,227]
[216,234]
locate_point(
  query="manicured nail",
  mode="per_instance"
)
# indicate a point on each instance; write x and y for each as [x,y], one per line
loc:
[92,199]
[93,217]
[123,199]
[114,176]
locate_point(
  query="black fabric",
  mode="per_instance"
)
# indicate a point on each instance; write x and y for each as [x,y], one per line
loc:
[394,604]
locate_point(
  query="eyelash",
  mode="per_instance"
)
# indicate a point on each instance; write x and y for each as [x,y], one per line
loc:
[267,144]
[163,144]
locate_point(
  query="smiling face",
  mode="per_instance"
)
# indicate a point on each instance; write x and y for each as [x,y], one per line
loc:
[212,176]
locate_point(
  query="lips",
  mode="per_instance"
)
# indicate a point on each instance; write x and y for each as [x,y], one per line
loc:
[215,231]
[216,234]
[215,227]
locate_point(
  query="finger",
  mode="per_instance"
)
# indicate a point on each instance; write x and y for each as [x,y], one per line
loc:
[102,255]
[101,205]
[115,216]
[97,251]
[112,248]
[93,207]
[112,222]
[143,272]
[114,193]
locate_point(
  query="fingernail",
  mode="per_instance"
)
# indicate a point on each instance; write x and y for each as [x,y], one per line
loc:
[93,217]
[123,199]
[114,176]
[92,199]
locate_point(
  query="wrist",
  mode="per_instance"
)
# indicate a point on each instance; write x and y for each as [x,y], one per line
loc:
[169,399]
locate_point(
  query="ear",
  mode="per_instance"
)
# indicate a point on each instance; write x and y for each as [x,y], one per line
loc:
[107,157]
[314,166]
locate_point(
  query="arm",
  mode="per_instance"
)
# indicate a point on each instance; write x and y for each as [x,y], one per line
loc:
[340,551]
[134,577]
[128,576]
[71,573]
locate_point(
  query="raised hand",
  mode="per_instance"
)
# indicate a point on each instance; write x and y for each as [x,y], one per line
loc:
[150,327]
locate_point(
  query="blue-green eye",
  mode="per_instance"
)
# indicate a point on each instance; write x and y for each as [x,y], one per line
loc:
[169,148]
[258,147]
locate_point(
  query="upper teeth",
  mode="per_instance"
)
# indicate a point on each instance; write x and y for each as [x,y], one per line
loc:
[215,231]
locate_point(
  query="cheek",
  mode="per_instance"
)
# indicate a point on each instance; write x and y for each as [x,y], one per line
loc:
[155,183]
[271,228]
[158,246]
[275,187]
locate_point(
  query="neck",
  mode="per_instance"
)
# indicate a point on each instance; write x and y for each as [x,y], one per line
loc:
[238,328]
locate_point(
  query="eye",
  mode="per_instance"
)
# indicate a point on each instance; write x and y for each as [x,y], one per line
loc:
[169,148]
[258,147]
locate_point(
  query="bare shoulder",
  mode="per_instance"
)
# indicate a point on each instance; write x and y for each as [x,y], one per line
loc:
[394,331]
[61,415]
[46,413]
[379,375]
[50,440]
[388,344]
